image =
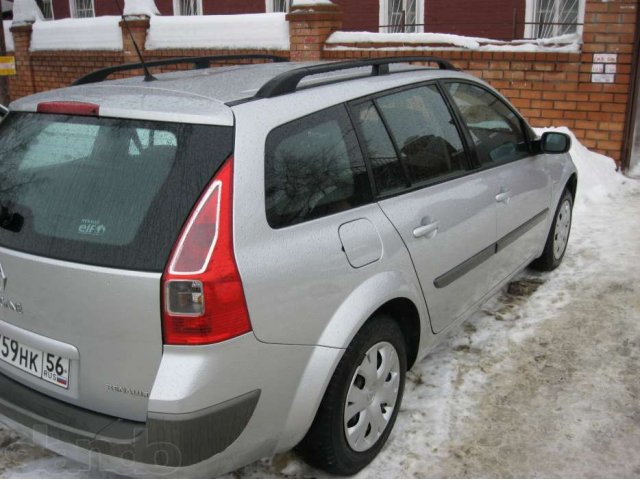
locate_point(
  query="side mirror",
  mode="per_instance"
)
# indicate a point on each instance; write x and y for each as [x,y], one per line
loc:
[555,142]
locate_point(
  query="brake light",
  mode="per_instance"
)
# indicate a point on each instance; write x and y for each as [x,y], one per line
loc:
[70,108]
[203,298]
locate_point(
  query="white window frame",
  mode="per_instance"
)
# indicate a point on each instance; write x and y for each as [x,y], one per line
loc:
[269,6]
[530,11]
[384,20]
[176,8]
[72,9]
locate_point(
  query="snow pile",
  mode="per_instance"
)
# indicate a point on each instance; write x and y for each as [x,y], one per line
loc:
[98,33]
[26,11]
[140,7]
[445,41]
[264,31]
[8,36]
[598,180]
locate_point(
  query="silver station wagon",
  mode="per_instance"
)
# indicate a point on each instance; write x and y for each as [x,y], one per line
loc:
[214,265]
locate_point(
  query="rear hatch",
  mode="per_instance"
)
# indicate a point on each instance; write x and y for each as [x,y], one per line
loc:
[90,209]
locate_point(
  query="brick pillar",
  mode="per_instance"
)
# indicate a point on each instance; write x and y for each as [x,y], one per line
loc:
[309,28]
[23,83]
[609,28]
[138,25]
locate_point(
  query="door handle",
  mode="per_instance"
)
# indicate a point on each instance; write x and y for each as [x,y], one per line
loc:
[428,230]
[503,196]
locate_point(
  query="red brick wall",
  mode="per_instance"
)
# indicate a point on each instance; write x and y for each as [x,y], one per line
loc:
[213,7]
[486,18]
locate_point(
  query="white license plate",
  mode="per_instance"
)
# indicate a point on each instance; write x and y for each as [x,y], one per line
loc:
[47,366]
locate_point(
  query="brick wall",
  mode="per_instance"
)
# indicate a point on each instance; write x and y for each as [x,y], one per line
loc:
[548,88]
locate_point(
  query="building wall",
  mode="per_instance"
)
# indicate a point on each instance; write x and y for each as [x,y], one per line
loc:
[360,15]
[499,19]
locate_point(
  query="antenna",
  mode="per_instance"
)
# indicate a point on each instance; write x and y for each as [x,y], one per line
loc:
[147,74]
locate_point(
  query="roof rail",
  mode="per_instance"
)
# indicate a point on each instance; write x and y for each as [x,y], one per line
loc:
[287,82]
[198,63]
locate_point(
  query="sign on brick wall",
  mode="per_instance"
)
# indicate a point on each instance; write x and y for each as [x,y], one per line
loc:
[7,66]
[604,68]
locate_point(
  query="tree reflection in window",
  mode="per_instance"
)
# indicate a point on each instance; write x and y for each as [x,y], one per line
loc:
[314,168]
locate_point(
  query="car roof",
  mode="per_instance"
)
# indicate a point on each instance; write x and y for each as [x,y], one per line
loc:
[204,95]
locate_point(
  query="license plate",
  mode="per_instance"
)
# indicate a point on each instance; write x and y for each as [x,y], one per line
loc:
[47,366]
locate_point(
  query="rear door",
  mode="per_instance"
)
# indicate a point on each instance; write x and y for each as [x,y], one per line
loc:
[522,185]
[445,215]
[90,209]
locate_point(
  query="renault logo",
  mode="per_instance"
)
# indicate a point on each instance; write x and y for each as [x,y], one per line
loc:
[3,279]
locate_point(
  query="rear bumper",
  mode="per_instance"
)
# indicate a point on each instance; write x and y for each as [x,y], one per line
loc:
[169,440]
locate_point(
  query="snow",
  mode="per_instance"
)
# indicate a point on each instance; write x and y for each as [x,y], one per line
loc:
[26,11]
[97,33]
[445,41]
[264,31]
[310,3]
[542,382]
[140,7]
[8,36]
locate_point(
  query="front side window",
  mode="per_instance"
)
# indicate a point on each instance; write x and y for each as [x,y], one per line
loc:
[82,9]
[496,130]
[314,168]
[424,132]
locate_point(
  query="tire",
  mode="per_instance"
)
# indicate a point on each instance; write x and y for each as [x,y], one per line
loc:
[558,237]
[343,446]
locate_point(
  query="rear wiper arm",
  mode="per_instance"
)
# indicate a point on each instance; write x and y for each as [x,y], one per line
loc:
[11,221]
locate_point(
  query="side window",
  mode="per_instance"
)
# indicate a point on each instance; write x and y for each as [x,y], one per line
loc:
[424,132]
[313,168]
[495,128]
[387,170]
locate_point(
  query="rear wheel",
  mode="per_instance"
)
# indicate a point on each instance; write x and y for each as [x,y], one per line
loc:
[361,403]
[558,237]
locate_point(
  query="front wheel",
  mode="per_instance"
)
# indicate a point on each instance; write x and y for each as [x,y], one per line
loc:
[558,237]
[361,403]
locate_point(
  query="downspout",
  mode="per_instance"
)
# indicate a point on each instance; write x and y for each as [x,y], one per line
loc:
[630,127]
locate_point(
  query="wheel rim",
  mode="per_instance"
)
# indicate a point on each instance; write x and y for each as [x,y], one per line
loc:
[372,397]
[561,232]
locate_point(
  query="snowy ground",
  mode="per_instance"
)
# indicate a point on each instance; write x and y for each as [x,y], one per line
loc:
[544,382]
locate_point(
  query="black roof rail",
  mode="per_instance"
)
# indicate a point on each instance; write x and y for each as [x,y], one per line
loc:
[198,62]
[287,82]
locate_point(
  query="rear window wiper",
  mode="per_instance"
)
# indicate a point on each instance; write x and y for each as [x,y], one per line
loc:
[9,220]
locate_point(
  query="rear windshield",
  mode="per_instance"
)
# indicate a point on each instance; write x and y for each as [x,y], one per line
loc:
[102,191]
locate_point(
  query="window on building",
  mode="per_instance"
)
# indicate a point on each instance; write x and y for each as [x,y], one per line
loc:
[550,18]
[278,6]
[82,9]
[47,9]
[187,7]
[401,16]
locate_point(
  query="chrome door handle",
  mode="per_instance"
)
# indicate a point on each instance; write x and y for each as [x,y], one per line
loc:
[429,230]
[503,196]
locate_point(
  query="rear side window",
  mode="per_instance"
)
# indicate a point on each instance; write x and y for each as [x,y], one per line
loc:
[424,132]
[314,168]
[102,191]
[388,173]
[496,130]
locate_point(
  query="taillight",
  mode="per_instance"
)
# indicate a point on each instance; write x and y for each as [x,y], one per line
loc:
[203,299]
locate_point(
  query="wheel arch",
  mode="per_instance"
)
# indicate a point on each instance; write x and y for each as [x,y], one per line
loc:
[572,185]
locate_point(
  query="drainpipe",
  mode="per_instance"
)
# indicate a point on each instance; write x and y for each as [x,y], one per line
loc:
[631,112]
